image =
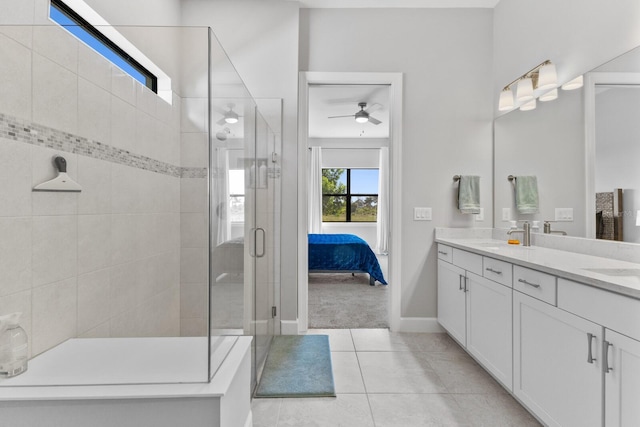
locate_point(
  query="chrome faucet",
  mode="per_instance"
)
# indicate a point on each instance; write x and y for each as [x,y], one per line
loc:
[526,233]
[547,229]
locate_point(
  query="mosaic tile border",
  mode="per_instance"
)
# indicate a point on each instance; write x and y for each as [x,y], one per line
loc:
[32,133]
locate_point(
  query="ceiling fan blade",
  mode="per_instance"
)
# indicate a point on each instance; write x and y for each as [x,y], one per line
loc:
[221,122]
[336,117]
[373,108]
[374,121]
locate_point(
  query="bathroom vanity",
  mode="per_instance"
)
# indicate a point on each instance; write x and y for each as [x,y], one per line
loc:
[560,330]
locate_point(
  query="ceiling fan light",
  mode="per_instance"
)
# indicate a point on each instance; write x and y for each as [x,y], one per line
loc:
[547,77]
[506,100]
[524,89]
[549,96]
[573,84]
[362,119]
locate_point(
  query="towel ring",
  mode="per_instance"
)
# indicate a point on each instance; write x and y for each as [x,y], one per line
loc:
[456,178]
[511,178]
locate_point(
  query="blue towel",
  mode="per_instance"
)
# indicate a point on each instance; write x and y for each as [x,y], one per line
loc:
[527,194]
[469,194]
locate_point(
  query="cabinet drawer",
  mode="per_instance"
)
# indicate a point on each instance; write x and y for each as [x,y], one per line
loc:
[467,260]
[535,283]
[613,311]
[445,252]
[498,271]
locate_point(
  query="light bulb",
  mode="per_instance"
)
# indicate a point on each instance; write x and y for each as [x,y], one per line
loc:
[531,105]
[362,119]
[547,78]
[231,120]
[506,100]
[549,96]
[573,84]
[524,90]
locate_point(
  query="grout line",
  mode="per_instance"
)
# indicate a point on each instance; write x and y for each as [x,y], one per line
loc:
[364,384]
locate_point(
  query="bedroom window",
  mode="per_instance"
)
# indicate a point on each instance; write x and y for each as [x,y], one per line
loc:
[71,21]
[349,195]
[236,195]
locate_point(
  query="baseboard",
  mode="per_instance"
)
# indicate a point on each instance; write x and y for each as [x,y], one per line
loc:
[419,324]
[289,327]
[249,421]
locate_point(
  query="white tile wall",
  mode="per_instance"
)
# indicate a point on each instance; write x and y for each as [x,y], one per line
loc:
[55,95]
[15,78]
[105,261]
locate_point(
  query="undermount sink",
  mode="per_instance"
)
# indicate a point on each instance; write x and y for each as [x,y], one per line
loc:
[618,272]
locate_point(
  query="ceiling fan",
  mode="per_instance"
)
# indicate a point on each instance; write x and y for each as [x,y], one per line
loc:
[229,117]
[363,116]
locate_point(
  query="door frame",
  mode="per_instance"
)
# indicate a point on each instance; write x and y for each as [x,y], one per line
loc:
[394,80]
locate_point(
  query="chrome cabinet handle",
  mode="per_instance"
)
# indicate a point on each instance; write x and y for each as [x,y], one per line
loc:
[466,287]
[605,356]
[535,285]
[590,358]
[460,276]
[443,252]
[493,271]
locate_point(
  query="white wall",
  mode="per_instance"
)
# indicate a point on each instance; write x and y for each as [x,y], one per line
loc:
[446,59]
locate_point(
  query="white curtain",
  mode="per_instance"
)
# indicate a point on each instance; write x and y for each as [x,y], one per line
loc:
[315,191]
[221,196]
[382,229]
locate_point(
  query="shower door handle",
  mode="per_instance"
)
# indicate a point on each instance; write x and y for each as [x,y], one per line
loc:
[262,242]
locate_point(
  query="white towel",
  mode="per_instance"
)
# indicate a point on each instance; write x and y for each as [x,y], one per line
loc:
[469,194]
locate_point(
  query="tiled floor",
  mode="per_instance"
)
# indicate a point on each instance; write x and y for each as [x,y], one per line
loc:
[386,379]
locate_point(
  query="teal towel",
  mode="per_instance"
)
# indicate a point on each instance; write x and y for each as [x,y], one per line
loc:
[527,194]
[469,194]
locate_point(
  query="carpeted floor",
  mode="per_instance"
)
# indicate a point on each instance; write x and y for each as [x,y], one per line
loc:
[340,300]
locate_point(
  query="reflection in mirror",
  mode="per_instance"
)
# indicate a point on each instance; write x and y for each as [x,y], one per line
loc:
[548,143]
[597,123]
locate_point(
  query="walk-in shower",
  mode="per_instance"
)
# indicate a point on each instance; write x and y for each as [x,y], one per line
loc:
[170,251]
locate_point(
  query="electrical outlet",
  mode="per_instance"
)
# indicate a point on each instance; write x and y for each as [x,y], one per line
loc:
[506,214]
[422,214]
[564,214]
[480,216]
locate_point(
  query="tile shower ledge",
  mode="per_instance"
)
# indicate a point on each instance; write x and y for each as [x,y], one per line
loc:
[22,388]
[613,275]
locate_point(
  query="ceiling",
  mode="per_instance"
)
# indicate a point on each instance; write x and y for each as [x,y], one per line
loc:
[319,4]
[342,100]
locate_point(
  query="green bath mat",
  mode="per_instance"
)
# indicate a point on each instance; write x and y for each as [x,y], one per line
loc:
[298,366]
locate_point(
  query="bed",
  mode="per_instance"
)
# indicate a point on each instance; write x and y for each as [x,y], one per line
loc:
[343,253]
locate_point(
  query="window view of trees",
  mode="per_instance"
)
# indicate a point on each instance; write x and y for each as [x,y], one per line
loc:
[349,195]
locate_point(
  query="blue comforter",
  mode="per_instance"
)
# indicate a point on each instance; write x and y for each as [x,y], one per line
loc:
[343,252]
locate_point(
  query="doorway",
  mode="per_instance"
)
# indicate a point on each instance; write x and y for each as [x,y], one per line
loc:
[378,94]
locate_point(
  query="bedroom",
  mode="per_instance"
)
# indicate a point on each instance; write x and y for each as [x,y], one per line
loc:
[348,205]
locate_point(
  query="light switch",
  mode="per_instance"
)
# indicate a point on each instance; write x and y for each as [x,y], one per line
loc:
[422,214]
[506,214]
[564,214]
[480,216]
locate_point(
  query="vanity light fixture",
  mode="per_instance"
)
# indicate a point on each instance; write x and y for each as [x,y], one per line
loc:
[573,84]
[542,77]
[549,96]
[528,106]
[506,99]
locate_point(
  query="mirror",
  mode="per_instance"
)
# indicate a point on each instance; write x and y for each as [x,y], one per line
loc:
[582,144]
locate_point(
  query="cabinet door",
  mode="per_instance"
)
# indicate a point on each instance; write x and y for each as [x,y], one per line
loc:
[554,374]
[489,326]
[451,300]
[622,380]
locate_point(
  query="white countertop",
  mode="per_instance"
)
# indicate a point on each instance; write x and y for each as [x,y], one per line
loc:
[613,275]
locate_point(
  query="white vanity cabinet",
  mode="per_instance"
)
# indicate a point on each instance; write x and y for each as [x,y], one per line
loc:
[476,311]
[620,318]
[557,363]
